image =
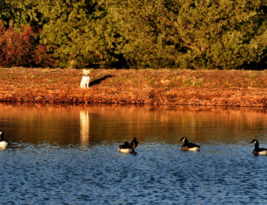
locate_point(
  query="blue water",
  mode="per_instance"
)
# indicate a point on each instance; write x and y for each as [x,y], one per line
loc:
[49,171]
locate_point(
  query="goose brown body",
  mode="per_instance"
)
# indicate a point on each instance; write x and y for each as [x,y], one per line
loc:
[128,147]
[187,146]
[257,150]
[3,142]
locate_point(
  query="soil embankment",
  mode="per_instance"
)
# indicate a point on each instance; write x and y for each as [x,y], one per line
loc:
[154,87]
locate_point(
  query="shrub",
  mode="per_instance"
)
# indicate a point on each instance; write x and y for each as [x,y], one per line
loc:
[20,47]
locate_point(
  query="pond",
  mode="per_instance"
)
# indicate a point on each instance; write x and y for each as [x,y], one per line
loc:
[68,155]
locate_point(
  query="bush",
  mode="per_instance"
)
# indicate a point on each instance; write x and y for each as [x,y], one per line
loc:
[193,34]
[223,34]
[20,47]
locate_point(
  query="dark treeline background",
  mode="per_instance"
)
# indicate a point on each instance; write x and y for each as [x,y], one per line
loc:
[196,34]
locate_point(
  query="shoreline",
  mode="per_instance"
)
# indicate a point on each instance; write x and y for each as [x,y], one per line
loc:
[231,88]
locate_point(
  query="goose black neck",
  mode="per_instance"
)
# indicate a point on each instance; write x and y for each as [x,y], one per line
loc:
[185,141]
[256,145]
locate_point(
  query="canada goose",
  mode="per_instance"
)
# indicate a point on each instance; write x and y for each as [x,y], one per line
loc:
[3,143]
[189,146]
[128,148]
[257,150]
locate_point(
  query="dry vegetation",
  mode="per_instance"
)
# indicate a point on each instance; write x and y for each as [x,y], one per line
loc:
[155,87]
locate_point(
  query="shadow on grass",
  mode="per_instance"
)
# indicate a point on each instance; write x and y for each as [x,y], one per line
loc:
[98,81]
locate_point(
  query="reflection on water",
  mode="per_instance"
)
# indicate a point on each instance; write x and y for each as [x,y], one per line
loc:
[65,125]
[84,127]
[68,155]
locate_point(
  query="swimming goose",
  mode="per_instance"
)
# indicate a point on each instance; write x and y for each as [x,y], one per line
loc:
[3,143]
[128,148]
[257,150]
[189,146]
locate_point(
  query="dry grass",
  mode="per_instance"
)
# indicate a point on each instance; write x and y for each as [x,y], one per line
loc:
[157,87]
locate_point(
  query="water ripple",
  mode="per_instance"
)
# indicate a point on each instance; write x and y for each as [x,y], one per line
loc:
[158,174]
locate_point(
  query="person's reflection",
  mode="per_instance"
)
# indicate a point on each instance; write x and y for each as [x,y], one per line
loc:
[84,127]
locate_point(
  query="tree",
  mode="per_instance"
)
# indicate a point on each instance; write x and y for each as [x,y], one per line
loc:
[139,24]
[221,34]
[21,48]
[72,29]
[16,13]
[224,34]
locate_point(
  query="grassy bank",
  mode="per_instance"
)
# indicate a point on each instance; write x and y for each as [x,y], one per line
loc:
[157,87]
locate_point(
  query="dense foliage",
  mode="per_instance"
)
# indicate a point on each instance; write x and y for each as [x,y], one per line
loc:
[223,34]
[21,48]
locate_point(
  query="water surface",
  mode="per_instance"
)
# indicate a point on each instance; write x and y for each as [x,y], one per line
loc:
[68,154]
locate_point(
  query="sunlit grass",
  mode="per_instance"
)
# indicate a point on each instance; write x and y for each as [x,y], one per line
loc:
[150,86]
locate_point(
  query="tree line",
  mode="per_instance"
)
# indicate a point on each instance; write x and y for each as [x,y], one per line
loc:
[195,34]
